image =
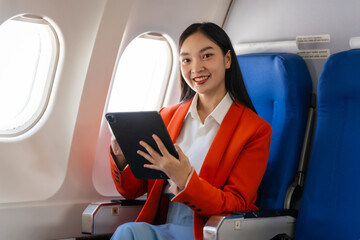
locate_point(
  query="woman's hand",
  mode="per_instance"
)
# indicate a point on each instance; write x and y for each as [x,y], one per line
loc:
[118,154]
[178,170]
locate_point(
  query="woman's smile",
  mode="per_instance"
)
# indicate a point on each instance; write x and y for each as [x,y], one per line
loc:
[199,80]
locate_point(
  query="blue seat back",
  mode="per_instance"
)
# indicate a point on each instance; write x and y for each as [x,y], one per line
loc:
[330,206]
[280,86]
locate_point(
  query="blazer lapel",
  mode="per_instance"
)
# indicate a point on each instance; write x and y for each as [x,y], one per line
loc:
[177,120]
[220,143]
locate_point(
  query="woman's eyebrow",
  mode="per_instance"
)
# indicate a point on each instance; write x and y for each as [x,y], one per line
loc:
[202,50]
[206,48]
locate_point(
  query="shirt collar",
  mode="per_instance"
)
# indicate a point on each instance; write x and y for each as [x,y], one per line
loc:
[218,113]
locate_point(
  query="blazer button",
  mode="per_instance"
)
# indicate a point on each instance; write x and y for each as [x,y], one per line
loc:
[198,210]
[192,206]
[187,203]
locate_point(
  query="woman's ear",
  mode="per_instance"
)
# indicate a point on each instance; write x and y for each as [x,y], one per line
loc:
[228,59]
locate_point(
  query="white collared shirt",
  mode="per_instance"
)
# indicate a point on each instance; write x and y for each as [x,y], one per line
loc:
[195,138]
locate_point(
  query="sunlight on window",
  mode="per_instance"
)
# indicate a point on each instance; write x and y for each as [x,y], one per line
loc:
[142,75]
[140,82]
[26,55]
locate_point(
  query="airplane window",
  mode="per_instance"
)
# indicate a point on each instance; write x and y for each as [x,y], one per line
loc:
[142,75]
[28,54]
[140,83]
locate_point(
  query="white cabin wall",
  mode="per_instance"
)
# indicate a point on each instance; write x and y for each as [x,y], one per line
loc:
[39,157]
[262,20]
[59,146]
[63,144]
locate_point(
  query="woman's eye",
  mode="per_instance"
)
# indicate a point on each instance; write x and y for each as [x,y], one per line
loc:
[185,60]
[207,55]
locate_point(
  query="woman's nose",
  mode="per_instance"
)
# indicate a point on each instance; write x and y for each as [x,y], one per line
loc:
[197,66]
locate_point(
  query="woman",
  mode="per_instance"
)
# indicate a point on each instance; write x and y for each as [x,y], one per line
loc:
[223,146]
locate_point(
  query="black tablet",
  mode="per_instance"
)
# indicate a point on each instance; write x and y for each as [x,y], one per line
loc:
[129,128]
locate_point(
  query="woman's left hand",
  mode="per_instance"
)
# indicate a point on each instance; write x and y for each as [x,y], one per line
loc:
[178,170]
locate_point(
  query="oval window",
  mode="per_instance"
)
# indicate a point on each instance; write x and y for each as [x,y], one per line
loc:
[140,83]
[142,74]
[28,56]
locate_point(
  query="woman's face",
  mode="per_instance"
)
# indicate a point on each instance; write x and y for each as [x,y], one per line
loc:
[203,65]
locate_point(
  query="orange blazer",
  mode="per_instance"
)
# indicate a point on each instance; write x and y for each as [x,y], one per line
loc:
[228,180]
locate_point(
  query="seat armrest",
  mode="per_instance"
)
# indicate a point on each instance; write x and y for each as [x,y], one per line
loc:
[267,213]
[104,217]
[129,202]
[255,225]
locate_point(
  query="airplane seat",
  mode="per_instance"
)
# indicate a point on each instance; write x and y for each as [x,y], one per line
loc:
[330,204]
[280,86]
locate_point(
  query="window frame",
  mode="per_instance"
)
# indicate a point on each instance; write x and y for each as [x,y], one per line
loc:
[101,176]
[167,75]
[37,114]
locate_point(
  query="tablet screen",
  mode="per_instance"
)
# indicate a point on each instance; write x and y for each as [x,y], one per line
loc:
[129,128]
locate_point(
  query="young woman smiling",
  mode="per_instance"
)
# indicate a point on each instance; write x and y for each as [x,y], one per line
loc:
[223,146]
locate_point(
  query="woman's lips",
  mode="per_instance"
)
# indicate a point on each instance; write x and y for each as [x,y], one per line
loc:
[200,79]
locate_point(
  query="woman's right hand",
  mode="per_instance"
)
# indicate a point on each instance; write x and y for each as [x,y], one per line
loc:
[118,154]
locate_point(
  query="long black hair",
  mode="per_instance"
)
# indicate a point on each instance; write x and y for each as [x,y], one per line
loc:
[234,82]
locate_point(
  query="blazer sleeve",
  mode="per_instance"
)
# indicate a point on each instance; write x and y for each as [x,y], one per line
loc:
[125,182]
[239,191]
